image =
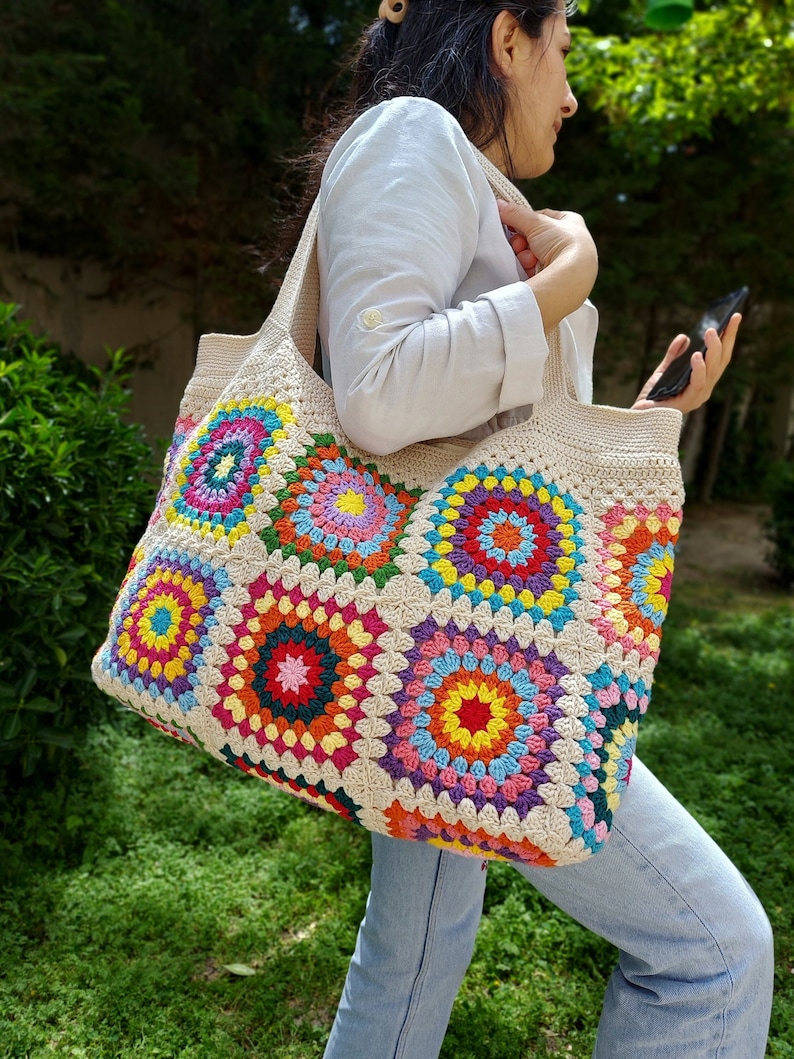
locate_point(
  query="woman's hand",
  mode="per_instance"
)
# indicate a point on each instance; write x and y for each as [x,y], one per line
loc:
[706,371]
[562,245]
[541,236]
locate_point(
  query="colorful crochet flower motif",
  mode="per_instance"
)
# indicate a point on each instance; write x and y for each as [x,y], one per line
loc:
[162,625]
[184,426]
[636,571]
[616,709]
[297,673]
[136,558]
[318,794]
[339,512]
[475,718]
[225,463]
[437,832]
[509,538]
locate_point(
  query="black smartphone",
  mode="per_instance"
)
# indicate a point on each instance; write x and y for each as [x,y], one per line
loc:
[675,377]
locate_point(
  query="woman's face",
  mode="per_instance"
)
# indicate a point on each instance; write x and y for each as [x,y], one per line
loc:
[540,98]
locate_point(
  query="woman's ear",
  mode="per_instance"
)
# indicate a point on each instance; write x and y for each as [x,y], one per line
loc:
[505,33]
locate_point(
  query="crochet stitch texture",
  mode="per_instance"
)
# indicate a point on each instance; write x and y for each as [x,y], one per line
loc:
[452,644]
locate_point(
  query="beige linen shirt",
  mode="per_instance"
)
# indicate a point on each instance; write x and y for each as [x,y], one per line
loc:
[426,327]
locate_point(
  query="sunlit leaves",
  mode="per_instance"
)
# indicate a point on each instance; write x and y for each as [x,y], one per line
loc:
[73,496]
[658,89]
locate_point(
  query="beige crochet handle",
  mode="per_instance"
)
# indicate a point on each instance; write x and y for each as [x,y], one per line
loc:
[298,304]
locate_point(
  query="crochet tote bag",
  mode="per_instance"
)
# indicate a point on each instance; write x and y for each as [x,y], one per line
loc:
[452,644]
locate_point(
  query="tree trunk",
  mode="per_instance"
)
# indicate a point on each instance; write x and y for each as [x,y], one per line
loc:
[691,444]
[715,450]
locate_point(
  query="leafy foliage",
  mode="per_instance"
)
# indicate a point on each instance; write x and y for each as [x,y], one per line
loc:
[75,487]
[733,61]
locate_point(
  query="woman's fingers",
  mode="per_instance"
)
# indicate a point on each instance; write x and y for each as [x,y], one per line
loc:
[525,220]
[515,216]
[706,370]
[720,350]
[550,233]
[526,258]
[675,349]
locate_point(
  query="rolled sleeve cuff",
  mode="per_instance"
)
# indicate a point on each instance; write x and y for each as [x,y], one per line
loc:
[525,345]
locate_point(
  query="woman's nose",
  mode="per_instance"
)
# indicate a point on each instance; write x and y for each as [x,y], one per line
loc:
[569,103]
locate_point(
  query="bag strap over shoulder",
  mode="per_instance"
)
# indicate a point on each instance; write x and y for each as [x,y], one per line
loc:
[295,312]
[298,304]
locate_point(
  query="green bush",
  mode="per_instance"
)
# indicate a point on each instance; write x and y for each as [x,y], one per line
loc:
[780,527]
[75,489]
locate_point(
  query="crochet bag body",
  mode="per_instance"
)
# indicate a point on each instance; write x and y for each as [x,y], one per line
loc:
[452,644]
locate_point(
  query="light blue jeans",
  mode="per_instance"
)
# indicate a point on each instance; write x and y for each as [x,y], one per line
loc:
[694,977]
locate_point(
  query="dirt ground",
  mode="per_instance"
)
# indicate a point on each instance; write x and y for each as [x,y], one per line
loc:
[726,540]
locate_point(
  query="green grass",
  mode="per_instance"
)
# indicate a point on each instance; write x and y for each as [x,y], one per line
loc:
[131,883]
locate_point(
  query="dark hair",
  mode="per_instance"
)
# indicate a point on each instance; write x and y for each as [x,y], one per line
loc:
[441,51]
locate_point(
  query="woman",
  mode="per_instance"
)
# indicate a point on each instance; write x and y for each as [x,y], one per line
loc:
[433,325]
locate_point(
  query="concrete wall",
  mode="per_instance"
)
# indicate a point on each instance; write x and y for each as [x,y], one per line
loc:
[77,306]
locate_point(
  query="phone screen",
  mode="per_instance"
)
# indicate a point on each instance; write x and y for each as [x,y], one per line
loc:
[717,315]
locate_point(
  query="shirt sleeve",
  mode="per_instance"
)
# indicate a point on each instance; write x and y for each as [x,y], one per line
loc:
[402,215]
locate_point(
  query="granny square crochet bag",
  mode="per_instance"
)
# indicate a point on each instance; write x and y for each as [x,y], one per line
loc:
[452,644]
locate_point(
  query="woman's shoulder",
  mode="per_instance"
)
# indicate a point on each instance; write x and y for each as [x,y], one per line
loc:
[412,128]
[415,111]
